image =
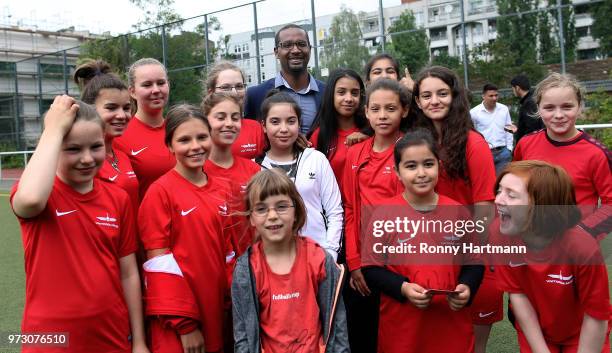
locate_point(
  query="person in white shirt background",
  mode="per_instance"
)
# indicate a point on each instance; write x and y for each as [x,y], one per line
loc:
[493,121]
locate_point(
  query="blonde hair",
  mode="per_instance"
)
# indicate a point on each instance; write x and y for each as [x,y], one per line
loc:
[211,78]
[273,182]
[557,80]
[142,62]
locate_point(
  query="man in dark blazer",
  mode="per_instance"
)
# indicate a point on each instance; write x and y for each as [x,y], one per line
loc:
[292,49]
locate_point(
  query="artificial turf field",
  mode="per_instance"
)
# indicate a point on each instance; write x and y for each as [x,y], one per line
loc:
[12,284]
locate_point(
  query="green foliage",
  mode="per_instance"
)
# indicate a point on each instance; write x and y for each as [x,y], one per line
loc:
[343,47]
[517,34]
[12,161]
[443,59]
[599,112]
[157,13]
[411,49]
[602,13]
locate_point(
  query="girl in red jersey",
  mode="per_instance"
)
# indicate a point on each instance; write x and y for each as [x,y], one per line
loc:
[340,119]
[79,240]
[368,178]
[467,174]
[184,233]
[103,89]
[143,139]
[560,99]
[286,289]
[412,319]
[559,288]
[227,77]
[223,112]
[308,168]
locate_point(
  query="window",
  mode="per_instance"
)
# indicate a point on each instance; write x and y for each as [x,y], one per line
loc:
[583,31]
[45,105]
[7,69]
[263,75]
[245,47]
[588,54]
[249,79]
[7,105]
[52,70]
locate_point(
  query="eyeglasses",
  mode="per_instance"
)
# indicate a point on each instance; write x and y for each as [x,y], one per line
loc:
[239,87]
[262,210]
[289,44]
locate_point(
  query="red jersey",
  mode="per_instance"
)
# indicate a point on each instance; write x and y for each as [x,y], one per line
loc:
[368,178]
[73,278]
[251,141]
[235,179]
[124,177]
[185,218]
[288,310]
[480,172]
[589,164]
[338,153]
[562,282]
[403,327]
[147,151]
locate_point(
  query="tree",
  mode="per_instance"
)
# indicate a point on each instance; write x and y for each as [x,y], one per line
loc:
[517,34]
[343,47]
[410,45]
[157,13]
[602,13]
[549,51]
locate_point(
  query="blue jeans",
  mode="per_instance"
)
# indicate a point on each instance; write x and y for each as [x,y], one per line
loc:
[501,157]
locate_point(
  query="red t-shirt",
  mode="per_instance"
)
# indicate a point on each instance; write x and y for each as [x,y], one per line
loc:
[368,178]
[147,151]
[403,327]
[480,172]
[288,310]
[234,180]
[338,154]
[185,218]
[73,278]
[562,282]
[586,160]
[125,177]
[251,140]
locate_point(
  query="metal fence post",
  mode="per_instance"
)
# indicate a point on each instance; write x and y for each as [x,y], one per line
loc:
[381,24]
[126,51]
[65,76]
[314,38]
[16,102]
[561,39]
[206,41]
[163,35]
[465,57]
[40,91]
[257,53]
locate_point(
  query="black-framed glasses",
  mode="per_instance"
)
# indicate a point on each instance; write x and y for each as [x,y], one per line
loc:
[287,45]
[262,209]
[239,87]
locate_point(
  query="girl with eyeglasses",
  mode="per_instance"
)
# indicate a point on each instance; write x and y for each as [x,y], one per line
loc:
[286,292]
[227,77]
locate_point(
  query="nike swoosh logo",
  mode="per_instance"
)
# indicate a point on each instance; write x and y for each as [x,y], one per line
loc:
[402,241]
[185,213]
[512,264]
[486,314]
[59,214]
[134,153]
[113,178]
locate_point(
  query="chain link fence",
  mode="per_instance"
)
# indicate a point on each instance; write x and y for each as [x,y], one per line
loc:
[482,40]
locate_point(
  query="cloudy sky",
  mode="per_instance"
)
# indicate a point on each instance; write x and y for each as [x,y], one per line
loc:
[118,16]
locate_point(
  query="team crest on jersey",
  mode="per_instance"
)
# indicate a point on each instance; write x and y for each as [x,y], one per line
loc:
[387,170]
[248,147]
[223,209]
[560,278]
[107,221]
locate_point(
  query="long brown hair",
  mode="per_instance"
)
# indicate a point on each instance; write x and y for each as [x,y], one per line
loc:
[457,124]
